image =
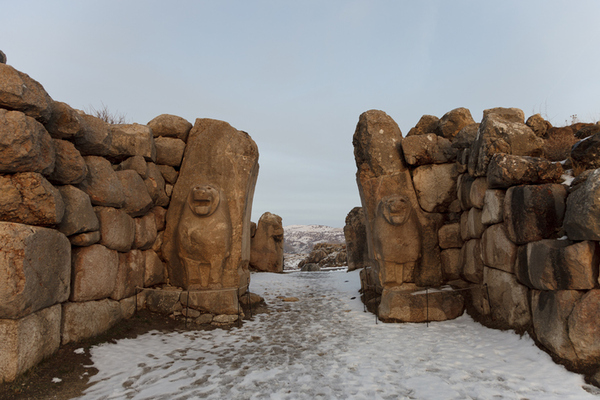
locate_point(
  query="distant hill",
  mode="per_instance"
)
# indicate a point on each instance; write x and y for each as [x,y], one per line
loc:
[300,239]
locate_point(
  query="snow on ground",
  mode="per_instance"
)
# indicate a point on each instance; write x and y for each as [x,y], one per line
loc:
[325,346]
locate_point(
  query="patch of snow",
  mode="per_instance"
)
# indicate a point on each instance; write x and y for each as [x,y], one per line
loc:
[302,238]
[56,380]
[567,179]
[326,346]
[79,351]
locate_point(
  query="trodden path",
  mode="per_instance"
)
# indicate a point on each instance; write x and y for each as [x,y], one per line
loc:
[324,346]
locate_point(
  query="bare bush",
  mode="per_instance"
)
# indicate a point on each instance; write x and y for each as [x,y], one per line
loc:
[106,115]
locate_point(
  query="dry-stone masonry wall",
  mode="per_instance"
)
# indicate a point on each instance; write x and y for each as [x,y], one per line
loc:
[502,213]
[91,213]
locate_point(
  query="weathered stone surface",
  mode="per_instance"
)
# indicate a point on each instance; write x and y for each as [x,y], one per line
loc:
[427,124]
[493,207]
[475,227]
[169,173]
[585,154]
[534,212]
[130,305]
[164,301]
[355,234]
[508,298]
[435,185]
[35,269]
[382,174]
[137,199]
[267,244]
[27,341]
[155,184]
[207,238]
[453,121]
[85,239]
[471,261]
[170,126]
[117,228]
[79,214]
[500,135]
[145,232]
[154,269]
[135,163]
[550,311]
[584,327]
[451,264]
[560,265]
[310,267]
[28,198]
[213,301]
[70,167]
[95,138]
[2,57]
[508,114]
[224,319]
[169,151]
[25,146]
[497,250]
[538,125]
[91,318]
[102,184]
[409,304]
[463,191]
[94,272]
[428,149]
[464,138]
[131,140]
[130,274]
[65,122]
[477,192]
[506,170]
[160,217]
[582,216]
[449,236]
[587,130]
[19,92]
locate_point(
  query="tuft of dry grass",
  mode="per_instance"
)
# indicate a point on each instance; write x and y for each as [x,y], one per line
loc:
[107,116]
[558,143]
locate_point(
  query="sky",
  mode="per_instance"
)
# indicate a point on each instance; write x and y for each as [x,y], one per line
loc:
[297,75]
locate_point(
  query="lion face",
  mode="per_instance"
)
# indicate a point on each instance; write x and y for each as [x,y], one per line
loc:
[396,209]
[204,200]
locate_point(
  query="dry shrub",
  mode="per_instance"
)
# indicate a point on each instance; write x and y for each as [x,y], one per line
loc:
[107,116]
[558,143]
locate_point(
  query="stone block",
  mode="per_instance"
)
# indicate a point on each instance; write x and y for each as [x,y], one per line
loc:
[170,126]
[18,91]
[135,163]
[493,207]
[155,184]
[497,250]
[453,121]
[428,149]
[94,272]
[154,269]
[472,263]
[95,138]
[212,301]
[449,236]
[137,199]
[35,269]
[65,122]
[435,185]
[131,140]
[130,274]
[117,228]
[582,216]
[463,191]
[508,299]
[507,170]
[79,216]
[85,239]
[477,192]
[584,328]
[451,264]
[169,151]
[102,184]
[475,227]
[88,319]
[164,301]
[145,232]
[26,341]
[70,167]
[409,304]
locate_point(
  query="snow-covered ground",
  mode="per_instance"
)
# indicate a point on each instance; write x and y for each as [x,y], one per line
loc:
[325,346]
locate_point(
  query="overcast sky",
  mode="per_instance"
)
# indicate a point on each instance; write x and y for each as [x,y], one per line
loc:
[297,75]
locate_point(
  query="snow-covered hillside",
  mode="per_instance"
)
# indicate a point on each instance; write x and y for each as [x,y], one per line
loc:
[301,238]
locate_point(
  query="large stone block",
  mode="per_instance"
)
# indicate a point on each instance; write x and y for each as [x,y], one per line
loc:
[212,301]
[508,299]
[164,301]
[169,151]
[18,91]
[117,228]
[135,163]
[477,192]
[584,328]
[534,212]
[408,304]
[427,149]
[559,265]
[497,250]
[79,214]
[475,227]
[155,184]
[102,184]
[585,154]
[463,191]
[65,122]
[25,146]
[507,170]
[26,341]
[267,244]
[154,270]
[355,234]
[137,199]
[130,274]
[493,207]
[70,167]
[435,185]
[499,132]
[449,236]
[550,311]
[453,121]
[426,124]
[145,232]
[170,126]
[94,272]
[35,269]
[28,198]
[582,216]
[451,264]
[91,318]
[131,140]
[95,138]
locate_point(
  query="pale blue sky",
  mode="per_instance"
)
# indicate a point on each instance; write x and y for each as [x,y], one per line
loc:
[297,75]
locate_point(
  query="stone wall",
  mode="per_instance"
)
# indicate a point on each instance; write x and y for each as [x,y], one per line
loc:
[87,220]
[516,233]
